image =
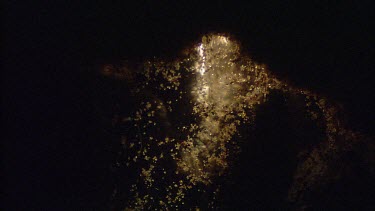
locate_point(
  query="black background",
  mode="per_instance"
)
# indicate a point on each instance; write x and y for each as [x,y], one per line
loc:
[55,156]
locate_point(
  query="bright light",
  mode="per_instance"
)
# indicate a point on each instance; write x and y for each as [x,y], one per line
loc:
[202,59]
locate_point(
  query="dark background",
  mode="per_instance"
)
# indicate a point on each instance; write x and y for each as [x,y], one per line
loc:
[54,155]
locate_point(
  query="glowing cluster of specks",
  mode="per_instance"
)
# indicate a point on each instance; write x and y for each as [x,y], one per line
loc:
[182,156]
[224,93]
